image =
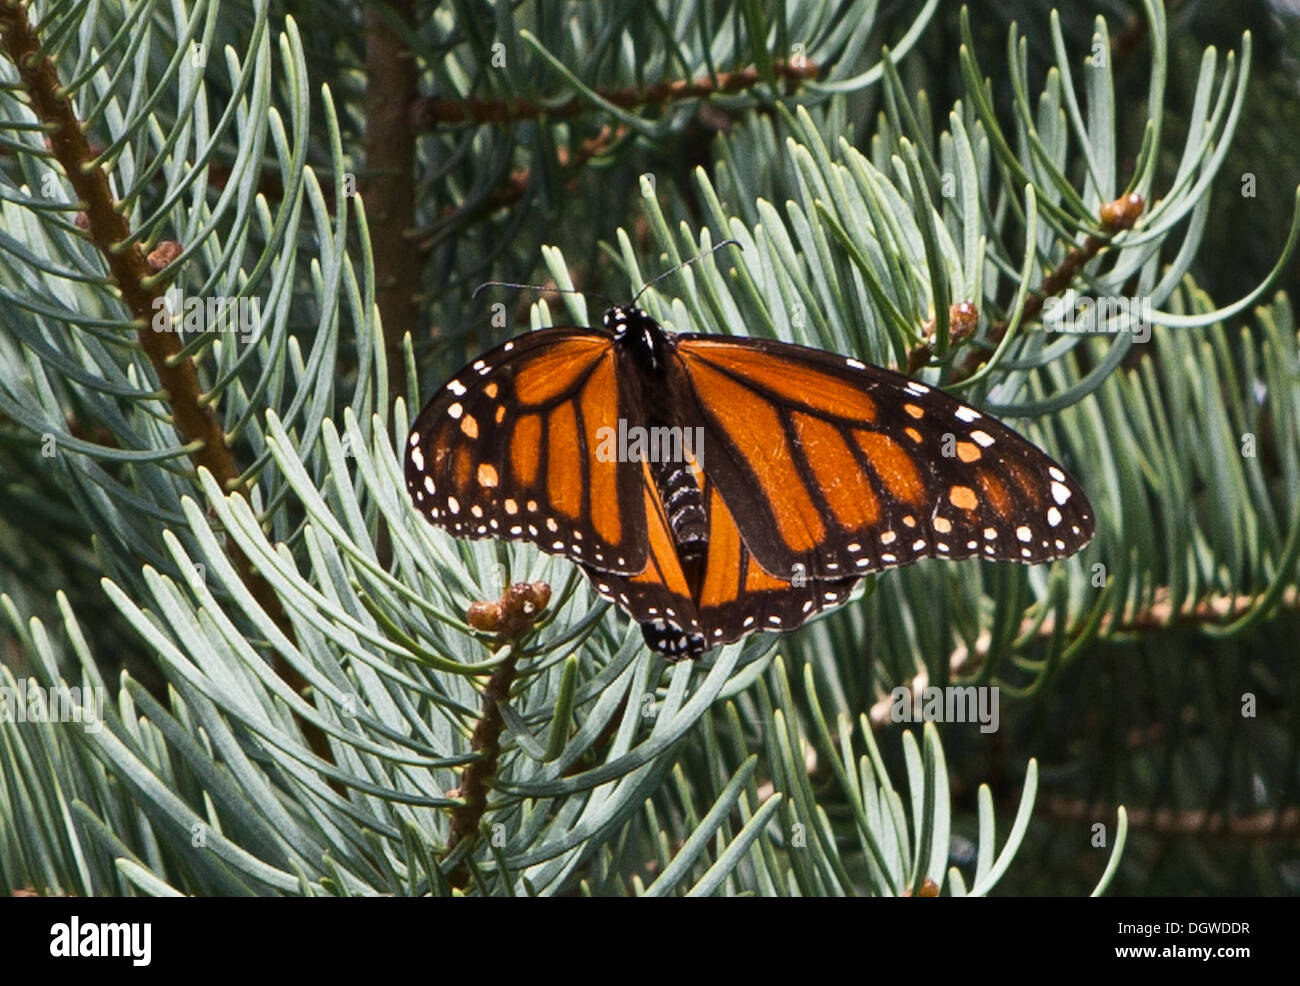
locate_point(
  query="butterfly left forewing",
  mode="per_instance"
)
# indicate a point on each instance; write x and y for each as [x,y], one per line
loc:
[507,449]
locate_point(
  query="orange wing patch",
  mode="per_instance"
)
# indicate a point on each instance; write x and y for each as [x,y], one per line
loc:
[896,469]
[796,383]
[599,406]
[549,375]
[563,468]
[662,565]
[996,493]
[756,430]
[721,580]
[461,467]
[526,449]
[846,489]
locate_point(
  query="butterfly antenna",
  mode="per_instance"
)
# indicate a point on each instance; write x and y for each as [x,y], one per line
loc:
[686,263]
[538,287]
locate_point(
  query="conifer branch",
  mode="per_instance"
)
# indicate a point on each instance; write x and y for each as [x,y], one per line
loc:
[1271,824]
[1116,217]
[430,112]
[1216,611]
[133,272]
[510,618]
[392,78]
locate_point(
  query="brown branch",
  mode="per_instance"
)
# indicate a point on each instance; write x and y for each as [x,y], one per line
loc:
[1116,216]
[963,320]
[510,618]
[391,86]
[1218,611]
[486,742]
[1159,615]
[571,164]
[429,112]
[1264,825]
[108,228]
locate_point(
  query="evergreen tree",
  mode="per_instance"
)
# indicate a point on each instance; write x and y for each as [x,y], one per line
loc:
[238,245]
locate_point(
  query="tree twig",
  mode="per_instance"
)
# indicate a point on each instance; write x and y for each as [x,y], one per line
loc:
[430,112]
[392,79]
[510,618]
[1116,216]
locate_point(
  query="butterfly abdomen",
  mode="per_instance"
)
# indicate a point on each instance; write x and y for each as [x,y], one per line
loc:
[684,505]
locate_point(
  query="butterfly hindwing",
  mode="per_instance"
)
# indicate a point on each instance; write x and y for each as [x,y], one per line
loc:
[659,596]
[728,596]
[505,450]
[844,468]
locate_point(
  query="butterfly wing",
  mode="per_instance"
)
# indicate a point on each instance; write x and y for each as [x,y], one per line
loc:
[726,596]
[844,468]
[506,450]
[659,596]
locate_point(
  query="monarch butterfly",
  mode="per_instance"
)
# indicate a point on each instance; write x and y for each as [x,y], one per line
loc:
[789,473]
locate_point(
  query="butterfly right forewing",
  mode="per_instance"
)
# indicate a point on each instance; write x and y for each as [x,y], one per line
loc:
[836,468]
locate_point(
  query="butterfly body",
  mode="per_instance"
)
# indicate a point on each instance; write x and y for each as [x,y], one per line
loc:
[649,350]
[761,480]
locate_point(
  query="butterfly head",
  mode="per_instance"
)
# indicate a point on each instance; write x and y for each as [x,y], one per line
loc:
[639,333]
[622,321]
